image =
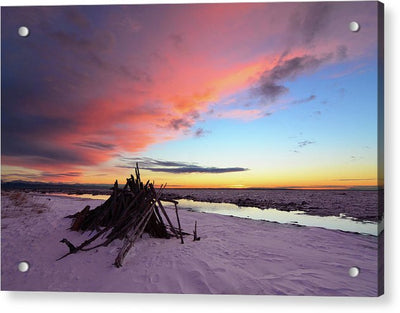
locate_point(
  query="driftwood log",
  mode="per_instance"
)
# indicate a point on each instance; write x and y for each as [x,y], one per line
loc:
[126,215]
[195,238]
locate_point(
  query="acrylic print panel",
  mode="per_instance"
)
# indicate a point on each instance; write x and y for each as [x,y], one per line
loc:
[193,148]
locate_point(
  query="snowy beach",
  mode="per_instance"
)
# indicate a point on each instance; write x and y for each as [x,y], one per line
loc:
[234,255]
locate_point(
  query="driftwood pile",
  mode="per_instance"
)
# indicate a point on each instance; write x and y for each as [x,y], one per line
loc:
[126,215]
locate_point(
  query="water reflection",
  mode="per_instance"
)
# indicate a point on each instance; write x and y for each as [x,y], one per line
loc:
[341,222]
[294,217]
[82,196]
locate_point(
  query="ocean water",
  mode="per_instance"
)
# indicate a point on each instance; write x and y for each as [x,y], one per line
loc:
[341,222]
[364,205]
[338,220]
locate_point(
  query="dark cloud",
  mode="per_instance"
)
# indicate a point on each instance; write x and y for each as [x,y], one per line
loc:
[92,51]
[180,43]
[96,145]
[148,162]
[16,127]
[180,123]
[186,122]
[354,158]
[36,119]
[59,175]
[51,86]
[96,60]
[342,92]
[197,169]
[71,40]
[177,40]
[34,125]
[304,143]
[315,20]
[36,140]
[304,100]
[20,176]
[175,167]
[99,41]
[271,91]
[292,68]
[77,18]
[134,75]
[38,152]
[341,52]
[195,115]
[310,20]
[200,132]
[270,84]
[40,176]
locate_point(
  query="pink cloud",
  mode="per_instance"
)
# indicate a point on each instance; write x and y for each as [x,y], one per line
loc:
[244,115]
[126,90]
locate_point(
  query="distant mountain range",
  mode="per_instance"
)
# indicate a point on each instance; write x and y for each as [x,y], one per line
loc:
[103,188]
[44,186]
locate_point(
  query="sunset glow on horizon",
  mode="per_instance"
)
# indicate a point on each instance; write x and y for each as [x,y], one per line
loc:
[262,95]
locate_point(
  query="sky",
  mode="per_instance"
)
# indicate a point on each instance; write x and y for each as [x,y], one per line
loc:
[274,95]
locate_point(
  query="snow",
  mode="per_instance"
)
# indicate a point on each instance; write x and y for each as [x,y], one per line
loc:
[234,255]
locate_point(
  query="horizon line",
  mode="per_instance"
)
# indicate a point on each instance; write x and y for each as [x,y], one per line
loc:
[288,187]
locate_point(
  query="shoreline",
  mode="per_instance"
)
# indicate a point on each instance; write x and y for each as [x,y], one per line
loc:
[296,224]
[292,200]
[323,224]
